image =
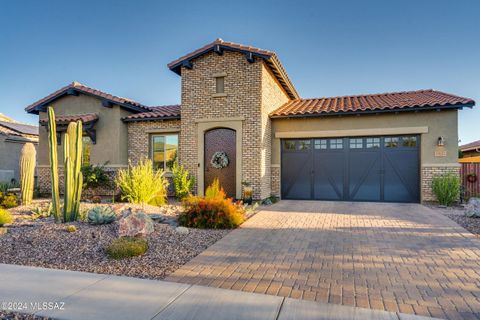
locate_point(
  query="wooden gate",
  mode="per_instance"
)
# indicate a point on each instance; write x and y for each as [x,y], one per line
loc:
[470,188]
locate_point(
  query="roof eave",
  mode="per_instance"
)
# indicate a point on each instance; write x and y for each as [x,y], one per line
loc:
[36,109]
[395,110]
[151,119]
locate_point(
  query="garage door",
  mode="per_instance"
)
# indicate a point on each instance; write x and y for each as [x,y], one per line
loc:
[352,169]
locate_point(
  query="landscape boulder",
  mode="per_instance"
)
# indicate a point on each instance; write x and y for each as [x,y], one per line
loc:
[472,208]
[133,224]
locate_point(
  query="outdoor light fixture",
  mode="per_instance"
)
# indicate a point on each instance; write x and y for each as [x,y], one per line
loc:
[441,141]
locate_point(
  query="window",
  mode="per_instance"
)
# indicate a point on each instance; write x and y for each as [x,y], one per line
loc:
[164,151]
[86,146]
[304,145]
[409,142]
[391,142]
[336,143]
[373,143]
[321,144]
[356,143]
[219,84]
[288,145]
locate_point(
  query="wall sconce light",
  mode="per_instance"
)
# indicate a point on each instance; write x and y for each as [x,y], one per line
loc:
[441,141]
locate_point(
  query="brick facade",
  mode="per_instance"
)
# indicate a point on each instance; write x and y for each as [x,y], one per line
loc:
[250,94]
[427,175]
[139,136]
[275,181]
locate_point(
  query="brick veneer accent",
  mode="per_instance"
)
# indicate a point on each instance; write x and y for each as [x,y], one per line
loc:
[427,175]
[45,185]
[275,178]
[139,136]
[250,93]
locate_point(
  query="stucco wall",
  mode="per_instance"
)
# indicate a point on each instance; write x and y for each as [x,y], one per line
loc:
[433,159]
[9,157]
[112,134]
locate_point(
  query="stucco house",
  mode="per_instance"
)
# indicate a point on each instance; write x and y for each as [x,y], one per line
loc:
[13,135]
[238,104]
[471,149]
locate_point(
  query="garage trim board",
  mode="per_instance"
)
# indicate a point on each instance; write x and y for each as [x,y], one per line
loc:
[372,168]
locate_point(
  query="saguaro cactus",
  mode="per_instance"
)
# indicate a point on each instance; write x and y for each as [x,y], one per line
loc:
[73,179]
[52,143]
[27,172]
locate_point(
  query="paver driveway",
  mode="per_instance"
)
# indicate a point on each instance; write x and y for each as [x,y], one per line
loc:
[396,257]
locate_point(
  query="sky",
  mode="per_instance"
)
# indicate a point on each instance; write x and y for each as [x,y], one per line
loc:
[328,48]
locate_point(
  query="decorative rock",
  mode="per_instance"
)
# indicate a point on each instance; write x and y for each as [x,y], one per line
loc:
[134,224]
[472,209]
[182,230]
[3,230]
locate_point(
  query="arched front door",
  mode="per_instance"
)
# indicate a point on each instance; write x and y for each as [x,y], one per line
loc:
[221,142]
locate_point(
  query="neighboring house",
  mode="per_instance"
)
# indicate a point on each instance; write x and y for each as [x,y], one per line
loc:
[471,149]
[13,135]
[240,101]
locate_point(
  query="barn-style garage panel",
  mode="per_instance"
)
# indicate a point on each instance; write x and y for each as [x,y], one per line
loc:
[352,169]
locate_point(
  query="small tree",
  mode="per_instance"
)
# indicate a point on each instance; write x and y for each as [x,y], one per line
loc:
[446,188]
[183,182]
[142,183]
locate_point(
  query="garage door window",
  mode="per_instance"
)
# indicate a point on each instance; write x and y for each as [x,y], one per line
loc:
[373,143]
[320,144]
[336,143]
[391,142]
[288,145]
[356,143]
[304,145]
[409,142]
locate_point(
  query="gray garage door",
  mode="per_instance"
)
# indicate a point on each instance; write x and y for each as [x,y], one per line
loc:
[352,169]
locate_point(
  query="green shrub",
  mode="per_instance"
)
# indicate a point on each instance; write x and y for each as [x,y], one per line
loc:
[142,184]
[207,213]
[446,188]
[183,182]
[5,217]
[215,191]
[94,176]
[127,247]
[8,200]
[4,186]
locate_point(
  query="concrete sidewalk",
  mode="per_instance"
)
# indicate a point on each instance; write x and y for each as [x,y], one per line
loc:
[77,295]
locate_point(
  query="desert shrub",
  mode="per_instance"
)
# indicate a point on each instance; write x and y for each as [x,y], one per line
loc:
[101,215]
[71,228]
[43,211]
[215,191]
[126,247]
[211,213]
[94,176]
[4,186]
[143,184]
[446,188]
[5,217]
[183,182]
[8,200]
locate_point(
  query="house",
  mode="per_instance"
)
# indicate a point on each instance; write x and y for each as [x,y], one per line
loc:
[471,149]
[13,135]
[241,119]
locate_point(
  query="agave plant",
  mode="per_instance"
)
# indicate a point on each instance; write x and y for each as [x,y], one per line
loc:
[101,215]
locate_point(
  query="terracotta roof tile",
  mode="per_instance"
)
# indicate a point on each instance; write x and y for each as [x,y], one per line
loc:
[159,112]
[88,90]
[393,101]
[62,120]
[470,146]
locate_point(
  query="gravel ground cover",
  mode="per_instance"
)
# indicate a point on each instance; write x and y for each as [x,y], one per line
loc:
[471,224]
[43,243]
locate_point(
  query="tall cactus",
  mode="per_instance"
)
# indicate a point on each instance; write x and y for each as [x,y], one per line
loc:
[73,179]
[52,143]
[27,172]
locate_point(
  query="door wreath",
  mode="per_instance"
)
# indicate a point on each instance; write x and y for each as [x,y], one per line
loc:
[219,160]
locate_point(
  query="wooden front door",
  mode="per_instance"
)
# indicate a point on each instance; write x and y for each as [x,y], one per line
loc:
[221,140]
